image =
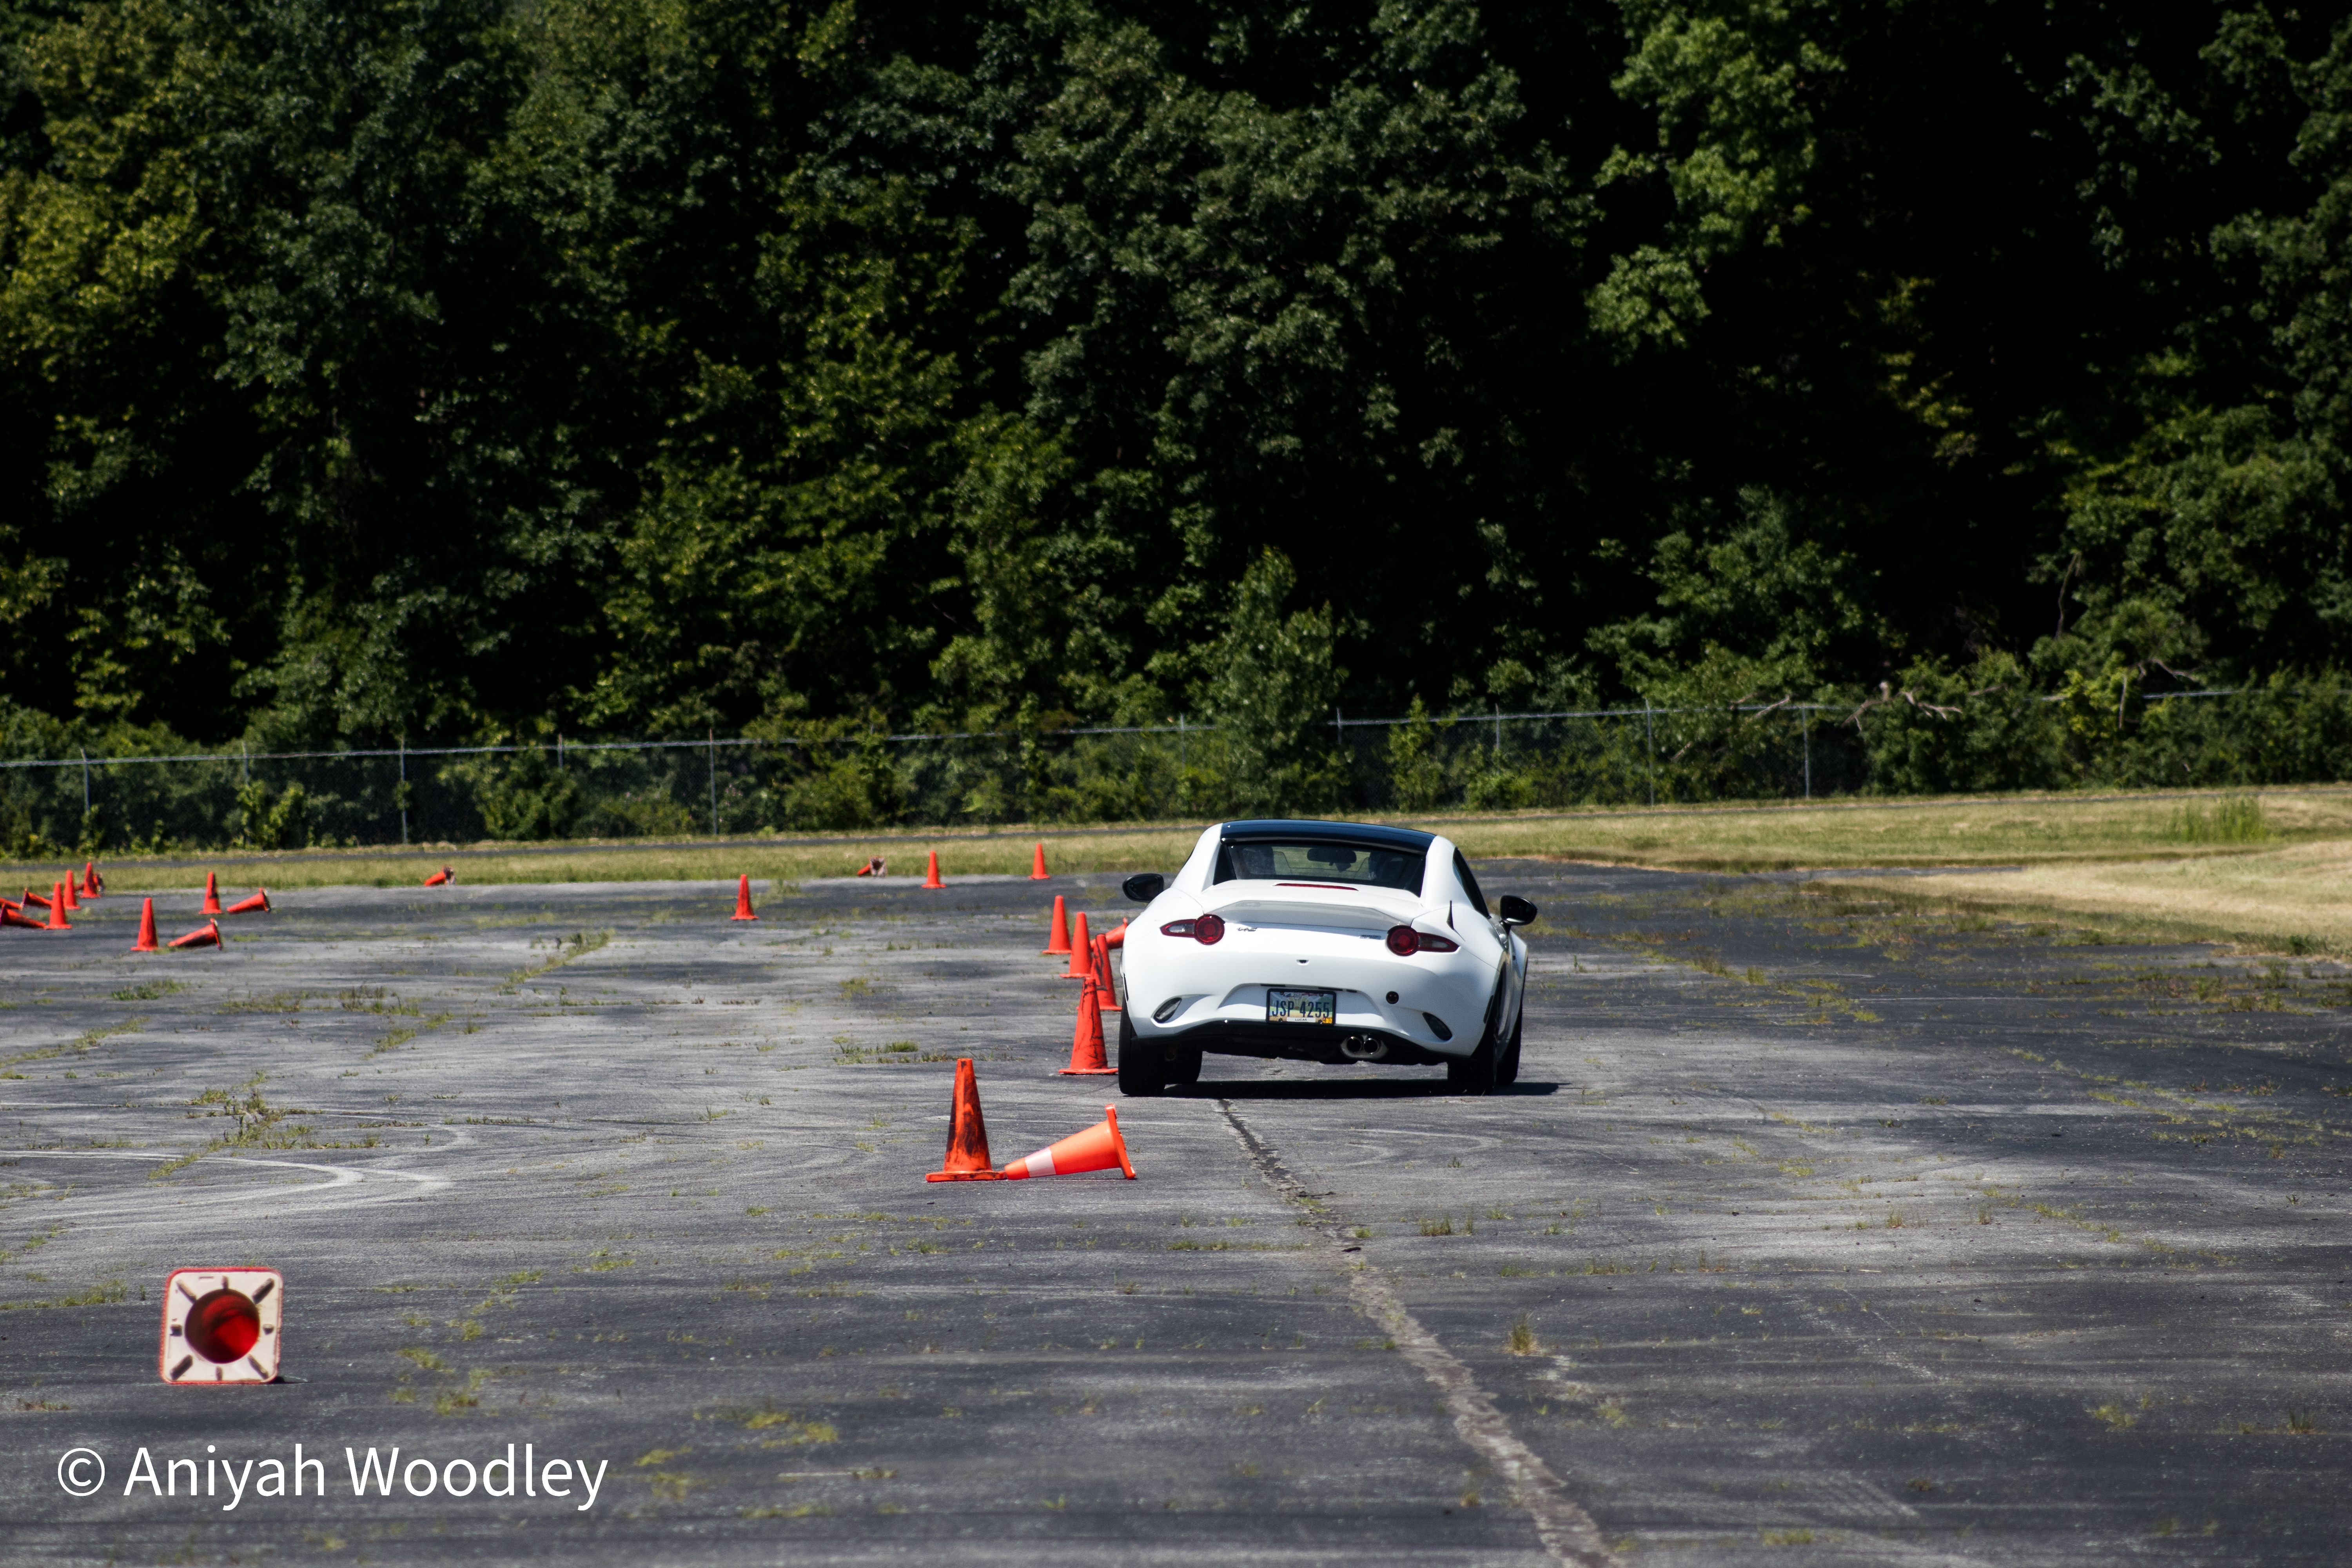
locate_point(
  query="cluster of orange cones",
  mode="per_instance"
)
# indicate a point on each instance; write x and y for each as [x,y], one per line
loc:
[1098,1148]
[208,934]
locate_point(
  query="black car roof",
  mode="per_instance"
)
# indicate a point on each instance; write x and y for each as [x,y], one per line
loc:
[1337,832]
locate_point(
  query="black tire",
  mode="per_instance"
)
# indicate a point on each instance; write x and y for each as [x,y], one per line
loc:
[1183,1065]
[1142,1069]
[1506,1066]
[1472,1074]
[1476,1074]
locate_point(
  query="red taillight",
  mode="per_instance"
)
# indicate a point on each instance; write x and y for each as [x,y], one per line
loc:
[1206,931]
[1404,941]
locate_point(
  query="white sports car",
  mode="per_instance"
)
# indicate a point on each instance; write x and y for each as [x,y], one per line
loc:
[1322,941]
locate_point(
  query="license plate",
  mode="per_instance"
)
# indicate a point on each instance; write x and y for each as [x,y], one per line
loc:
[1301,1006]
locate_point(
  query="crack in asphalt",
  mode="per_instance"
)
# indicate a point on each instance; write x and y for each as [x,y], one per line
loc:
[1567,1531]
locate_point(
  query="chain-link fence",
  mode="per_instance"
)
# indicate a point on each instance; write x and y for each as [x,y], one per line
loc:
[1496,760]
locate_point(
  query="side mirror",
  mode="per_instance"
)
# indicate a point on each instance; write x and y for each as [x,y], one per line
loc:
[1145,886]
[1516,911]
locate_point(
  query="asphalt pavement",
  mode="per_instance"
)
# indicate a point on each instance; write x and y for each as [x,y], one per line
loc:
[1813,1232]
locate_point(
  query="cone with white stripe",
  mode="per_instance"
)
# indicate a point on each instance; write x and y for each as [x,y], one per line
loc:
[1098,1148]
[221,1325]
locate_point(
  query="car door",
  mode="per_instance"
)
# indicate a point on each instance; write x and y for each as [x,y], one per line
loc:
[1511,968]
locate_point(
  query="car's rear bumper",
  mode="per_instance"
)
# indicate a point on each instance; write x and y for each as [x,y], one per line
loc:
[1308,1043]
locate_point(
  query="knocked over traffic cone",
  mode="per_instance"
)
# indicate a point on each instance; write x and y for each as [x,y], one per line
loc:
[58,920]
[33,900]
[221,1325]
[743,898]
[1037,872]
[1115,936]
[212,896]
[205,935]
[11,915]
[874,868]
[439,878]
[967,1133]
[1057,933]
[256,905]
[931,877]
[1106,994]
[1086,1059]
[147,943]
[1098,1148]
[94,886]
[1082,949]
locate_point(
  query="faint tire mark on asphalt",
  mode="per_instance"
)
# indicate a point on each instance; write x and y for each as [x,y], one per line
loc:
[1567,1531]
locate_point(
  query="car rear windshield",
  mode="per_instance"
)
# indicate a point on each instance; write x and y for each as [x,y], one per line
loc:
[1320,861]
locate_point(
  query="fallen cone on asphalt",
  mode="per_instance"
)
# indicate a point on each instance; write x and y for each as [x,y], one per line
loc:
[221,1325]
[12,915]
[967,1133]
[32,900]
[256,905]
[1087,1058]
[874,868]
[1057,932]
[743,898]
[58,920]
[147,943]
[205,935]
[931,877]
[1082,950]
[94,886]
[1106,994]
[439,878]
[1098,1148]
[1115,936]
[212,896]
[1037,872]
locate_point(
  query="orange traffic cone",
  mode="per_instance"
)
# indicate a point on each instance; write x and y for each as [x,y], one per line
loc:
[931,877]
[967,1133]
[58,920]
[1115,936]
[14,915]
[875,866]
[256,905]
[147,943]
[439,878]
[1058,931]
[1082,951]
[743,898]
[1098,1148]
[212,896]
[1086,1059]
[205,935]
[1106,994]
[72,902]
[33,900]
[94,886]
[1037,872]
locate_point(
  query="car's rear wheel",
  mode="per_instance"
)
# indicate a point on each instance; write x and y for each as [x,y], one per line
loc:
[1475,1073]
[1506,1066]
[1472,1074]
[1142,1068]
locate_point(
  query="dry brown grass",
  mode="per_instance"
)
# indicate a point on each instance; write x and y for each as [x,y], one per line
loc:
[2039,831]
[2296,899]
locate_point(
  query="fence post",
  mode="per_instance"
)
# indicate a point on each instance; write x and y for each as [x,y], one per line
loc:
[401,796]
[85,782]
[1807,714]
[1650,732]
[559,751]
[711,734]
[1181,759]
[1498,733]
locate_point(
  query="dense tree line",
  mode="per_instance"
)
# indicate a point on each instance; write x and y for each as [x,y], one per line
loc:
[453,368]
